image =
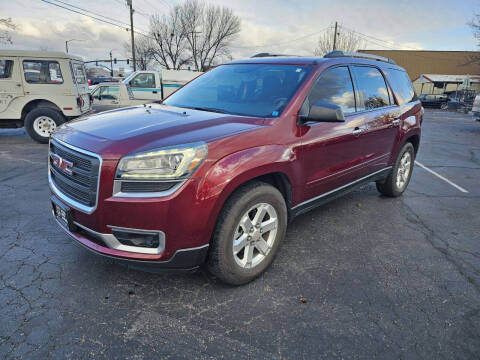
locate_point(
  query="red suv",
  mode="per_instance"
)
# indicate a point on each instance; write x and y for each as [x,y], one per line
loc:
[214,173]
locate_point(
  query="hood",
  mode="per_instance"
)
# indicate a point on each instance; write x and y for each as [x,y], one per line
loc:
[119,132]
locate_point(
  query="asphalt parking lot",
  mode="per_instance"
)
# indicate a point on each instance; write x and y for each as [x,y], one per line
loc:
[380,277]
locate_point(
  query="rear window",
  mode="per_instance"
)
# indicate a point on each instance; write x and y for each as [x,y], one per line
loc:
[42,72]
[6,67]
[372,89]
[79,73]
[401,85]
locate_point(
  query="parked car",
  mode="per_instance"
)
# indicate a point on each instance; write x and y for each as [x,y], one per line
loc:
[434,101]
[157,85]
[41,90]
[109,96]
[214,174]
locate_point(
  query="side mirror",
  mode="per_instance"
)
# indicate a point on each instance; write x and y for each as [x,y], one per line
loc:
[323,112]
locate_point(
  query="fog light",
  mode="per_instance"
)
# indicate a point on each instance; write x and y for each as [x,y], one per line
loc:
[139,239]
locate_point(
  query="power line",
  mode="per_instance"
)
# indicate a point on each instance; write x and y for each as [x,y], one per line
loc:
[283,43]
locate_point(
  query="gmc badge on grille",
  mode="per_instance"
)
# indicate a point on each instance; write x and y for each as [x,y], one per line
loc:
[62,164]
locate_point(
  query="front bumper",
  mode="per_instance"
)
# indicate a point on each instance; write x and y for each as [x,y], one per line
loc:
[182,260]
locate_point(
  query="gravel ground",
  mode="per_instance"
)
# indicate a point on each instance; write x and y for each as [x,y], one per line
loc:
[381,278]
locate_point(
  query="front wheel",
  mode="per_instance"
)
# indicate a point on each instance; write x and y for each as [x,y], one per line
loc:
[398,180]
[248,233]
[40,123]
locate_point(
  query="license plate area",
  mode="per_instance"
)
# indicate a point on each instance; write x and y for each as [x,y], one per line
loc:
[62,213]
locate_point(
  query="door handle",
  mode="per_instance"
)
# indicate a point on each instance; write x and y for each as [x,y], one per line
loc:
[396,122]
[155,92]
[358,131]
[18,85]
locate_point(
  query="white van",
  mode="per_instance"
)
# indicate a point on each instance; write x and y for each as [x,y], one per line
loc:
[41,90]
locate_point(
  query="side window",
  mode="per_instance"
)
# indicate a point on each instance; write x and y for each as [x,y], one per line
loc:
[143,81]
[42,72]
[96,93]
[6,67]
[372,89]
[109,93]
[402,86]
[334,86]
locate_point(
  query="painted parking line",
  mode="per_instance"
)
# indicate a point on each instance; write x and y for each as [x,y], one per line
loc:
[441,177]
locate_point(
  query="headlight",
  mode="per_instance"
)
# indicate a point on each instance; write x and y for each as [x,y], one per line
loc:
[167,163]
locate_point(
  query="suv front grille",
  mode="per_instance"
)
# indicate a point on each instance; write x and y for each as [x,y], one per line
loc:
[82,184]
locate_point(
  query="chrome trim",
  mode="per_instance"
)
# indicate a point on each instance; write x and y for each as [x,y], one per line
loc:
[340,188]
[113,243]
[69,201]
[117,192]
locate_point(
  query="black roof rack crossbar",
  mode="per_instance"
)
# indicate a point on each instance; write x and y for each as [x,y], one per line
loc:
[339,53]
[269,55]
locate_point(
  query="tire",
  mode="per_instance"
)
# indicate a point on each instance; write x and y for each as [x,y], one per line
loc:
[235,269]
[40,123]
[392,186]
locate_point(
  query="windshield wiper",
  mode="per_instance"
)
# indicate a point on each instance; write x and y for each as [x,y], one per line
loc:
[215,110]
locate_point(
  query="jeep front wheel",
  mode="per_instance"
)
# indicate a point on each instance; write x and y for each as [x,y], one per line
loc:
[248,233]
[40,123]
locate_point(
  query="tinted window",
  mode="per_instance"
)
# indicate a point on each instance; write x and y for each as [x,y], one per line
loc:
[372,90]
[6,67]
[143,81]
[401,85]
[42,72]
[261,90]
[334,86]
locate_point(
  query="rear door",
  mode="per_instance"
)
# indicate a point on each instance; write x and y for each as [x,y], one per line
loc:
[10,83]
[333,153]
[81,84]
[376,105]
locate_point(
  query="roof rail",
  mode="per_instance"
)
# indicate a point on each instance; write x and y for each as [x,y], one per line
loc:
[339,53]
[268,55]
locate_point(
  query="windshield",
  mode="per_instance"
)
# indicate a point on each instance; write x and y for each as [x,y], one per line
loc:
[260,90]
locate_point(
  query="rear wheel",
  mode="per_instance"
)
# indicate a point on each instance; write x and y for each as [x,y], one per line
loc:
[40,123]
[248,233]
[398,180]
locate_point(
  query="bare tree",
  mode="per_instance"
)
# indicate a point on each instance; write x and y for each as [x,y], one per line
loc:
[209,31]
[346,41]
[475,26]
[6,25]
[144,49]
[169,47]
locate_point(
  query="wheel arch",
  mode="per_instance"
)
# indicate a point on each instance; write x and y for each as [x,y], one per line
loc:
[34,104]
[415,141]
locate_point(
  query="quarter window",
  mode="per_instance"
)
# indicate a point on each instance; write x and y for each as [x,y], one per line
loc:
[6,67]
[402,86]
[143,81]
[333,87]
[42,72]
[79,73]
[372,90]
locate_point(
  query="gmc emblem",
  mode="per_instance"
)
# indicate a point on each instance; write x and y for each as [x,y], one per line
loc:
[62,164]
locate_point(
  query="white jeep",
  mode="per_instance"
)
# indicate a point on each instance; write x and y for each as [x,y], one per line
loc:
[41,90]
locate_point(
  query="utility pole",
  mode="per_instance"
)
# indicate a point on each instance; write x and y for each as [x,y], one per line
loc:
[111,64]
[129,3]
[335,37]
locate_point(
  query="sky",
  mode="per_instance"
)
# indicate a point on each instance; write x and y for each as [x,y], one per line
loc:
[277,26]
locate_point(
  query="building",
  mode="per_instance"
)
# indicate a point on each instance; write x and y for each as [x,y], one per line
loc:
[418,62]
[445,84]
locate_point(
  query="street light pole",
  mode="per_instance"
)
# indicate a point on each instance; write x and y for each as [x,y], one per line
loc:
[111,64]
[66,44]
[129,3]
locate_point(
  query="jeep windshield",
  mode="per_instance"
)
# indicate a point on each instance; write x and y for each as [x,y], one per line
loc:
[259,90]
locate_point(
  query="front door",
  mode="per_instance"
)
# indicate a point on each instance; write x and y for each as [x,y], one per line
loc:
[332,153]
[106,97]
[10,84]
[144,87]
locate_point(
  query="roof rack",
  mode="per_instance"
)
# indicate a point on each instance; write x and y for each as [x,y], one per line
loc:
[339,53]
[269,55]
